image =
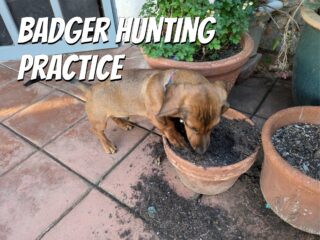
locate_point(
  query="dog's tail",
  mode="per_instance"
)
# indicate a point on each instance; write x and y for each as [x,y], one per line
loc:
[83,86]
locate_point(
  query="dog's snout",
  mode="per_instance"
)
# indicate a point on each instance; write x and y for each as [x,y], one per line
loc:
[201,149]
[200,144]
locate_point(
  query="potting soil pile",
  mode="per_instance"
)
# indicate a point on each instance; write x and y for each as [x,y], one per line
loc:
[299,144]
[239,213]
[173,217]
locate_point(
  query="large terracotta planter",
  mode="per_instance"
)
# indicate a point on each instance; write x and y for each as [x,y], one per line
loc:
[226,69]
[292,195]
[210,180]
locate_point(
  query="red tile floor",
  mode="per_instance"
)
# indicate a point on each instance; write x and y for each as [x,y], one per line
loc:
[57,183]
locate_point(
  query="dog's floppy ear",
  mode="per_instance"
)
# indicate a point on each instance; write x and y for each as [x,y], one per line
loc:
[169,110]
[162,99]
[173,102]
[221,90]
[155,93]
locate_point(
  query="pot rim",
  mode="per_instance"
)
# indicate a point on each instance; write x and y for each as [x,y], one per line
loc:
[225,172]
[246,42]
[277,160]
[310,17]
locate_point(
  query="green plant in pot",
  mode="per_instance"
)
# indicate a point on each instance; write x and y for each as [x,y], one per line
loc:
[306,68]
[220,59]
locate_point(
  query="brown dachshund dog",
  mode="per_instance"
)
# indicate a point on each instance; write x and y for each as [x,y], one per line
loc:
[157,95]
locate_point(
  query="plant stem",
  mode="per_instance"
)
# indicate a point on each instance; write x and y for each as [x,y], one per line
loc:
[282,58]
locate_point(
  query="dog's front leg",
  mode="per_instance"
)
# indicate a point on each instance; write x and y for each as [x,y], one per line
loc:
[98,127]
[167,128]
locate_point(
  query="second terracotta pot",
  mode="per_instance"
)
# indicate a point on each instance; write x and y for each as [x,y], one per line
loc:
[210,180]
[292,195]
[226,70]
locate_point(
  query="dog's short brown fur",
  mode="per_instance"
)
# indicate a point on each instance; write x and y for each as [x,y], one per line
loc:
[158,95]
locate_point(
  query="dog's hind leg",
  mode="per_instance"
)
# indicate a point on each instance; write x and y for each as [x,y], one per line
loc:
[122,123]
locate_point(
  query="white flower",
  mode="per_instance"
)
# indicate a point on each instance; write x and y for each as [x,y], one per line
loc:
[210,13]
[211,1]
[245,5]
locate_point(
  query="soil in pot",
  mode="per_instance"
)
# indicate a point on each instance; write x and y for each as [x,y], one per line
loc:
[231,141]
[299,145]
[222,53]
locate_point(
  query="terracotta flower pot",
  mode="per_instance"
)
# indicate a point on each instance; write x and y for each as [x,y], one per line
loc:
[292,195]
[210,180]
[226,69]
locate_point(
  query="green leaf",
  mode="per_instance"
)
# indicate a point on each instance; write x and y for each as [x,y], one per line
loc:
[232,22]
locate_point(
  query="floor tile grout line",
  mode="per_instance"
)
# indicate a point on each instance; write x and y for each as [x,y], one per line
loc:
[52,139]
[97,183]
[64,131]
[104,193]
[48,85]
[258,116]
[91,186]
[121,204]
[103,175]
[69,169]
[44,82]
[144,128]
[239,110]
[66,92]
[7,83]
[83,177]
[65,213]
[135,57]
[29,105]
[20,162]
[36,147]
[9,67]
[275,80]
[40,148]
[254,75]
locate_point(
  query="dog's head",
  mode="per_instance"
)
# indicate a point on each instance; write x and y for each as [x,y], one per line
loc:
[200,106]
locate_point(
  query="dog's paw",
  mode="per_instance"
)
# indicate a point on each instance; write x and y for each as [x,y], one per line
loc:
[128,126]
[110,149]
[177,140]
[124,125]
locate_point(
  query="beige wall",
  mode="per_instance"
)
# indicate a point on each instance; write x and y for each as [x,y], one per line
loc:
[128,8]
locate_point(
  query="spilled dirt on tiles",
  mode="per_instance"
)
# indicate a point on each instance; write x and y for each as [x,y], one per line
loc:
[239,213]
